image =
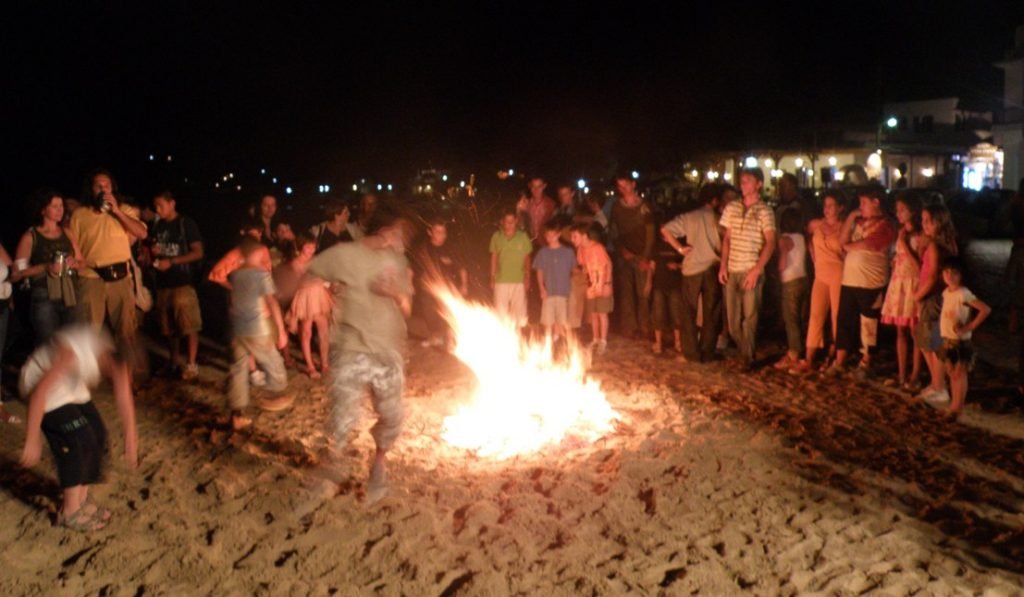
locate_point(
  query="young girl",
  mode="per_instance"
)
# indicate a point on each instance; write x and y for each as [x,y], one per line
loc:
[793,273]
[56,379]
[939,242]
[956,326]
[312,304]
[899,308]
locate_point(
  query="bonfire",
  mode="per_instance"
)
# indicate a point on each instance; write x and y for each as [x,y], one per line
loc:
[525,400]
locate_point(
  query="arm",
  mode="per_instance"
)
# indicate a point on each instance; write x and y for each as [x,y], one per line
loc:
[526,272]
[194,254]
[79,260]
[275,314]
[22,254]
[983,312]
[648,282]
[723,268]
[540,284]
[668,234]
[131,225]
[122,383]
[648,241]
[931,260]
[846,232]
[785,246]
[750,281]
[226,265]
[63,361]
[463,282]
[494,268]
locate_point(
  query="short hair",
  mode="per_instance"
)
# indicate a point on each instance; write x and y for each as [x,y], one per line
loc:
[552,226]
[508,211]
[581,228]
[791,222]
[248,246]
[624,175]
[166,195]
[250,225]
[790,178]
[709,192]
[953,263]
[334,207]
[872,191]
[755,172]
[303,238]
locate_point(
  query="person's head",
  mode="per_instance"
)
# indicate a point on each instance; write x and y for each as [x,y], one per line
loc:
[268,206]
[788,187]
[870,200]
[437,232]
[98,184]
[305,246]
[729,194]
[908,211]
[283,231]
[251,230]
[710,195]
[551,234]
[937,224]
[566,195]
[536,187]
[367,206]
[165,205]
[508,222]
[833,204]
[625,185]
[47,205]
[250,249]
[751,181]
[337,211]
[579,234]
[952,271]
[791,222]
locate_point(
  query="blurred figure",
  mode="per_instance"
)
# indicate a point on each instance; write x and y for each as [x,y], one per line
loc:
[540,207]
[6,292]
[266,218]
[336,228]
[632,231]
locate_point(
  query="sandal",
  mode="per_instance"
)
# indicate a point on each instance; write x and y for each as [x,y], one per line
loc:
[80,521]
[312,373]
[96,511]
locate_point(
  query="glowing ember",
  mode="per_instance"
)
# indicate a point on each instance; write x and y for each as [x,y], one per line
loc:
[524,401]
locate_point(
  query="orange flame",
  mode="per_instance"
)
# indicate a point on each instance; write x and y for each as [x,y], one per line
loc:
[525,401]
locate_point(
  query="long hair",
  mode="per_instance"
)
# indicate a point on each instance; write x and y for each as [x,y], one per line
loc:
[38,202]
[87,197]
[915,205]
[945,232]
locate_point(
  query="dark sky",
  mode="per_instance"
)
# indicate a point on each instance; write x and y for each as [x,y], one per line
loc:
[342,92]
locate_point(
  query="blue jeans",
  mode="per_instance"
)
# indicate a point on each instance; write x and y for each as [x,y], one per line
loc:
[47,316]
[742,307]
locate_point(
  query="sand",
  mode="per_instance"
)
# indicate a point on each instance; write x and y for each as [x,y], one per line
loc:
[713,481]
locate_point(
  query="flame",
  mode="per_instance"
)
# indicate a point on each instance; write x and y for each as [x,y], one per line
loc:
[524,401]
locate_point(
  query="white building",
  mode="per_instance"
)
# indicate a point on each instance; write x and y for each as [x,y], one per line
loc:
[1008,131]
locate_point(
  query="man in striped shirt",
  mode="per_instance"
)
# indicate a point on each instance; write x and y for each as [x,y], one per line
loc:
[746,248]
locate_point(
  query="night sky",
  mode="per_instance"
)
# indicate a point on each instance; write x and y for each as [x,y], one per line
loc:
[347,92]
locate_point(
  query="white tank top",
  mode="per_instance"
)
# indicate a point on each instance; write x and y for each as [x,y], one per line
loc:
[796,259]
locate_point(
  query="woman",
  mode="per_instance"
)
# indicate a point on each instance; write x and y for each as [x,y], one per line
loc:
[312,304]
[47,255]
[939,242]
[335,229]
[826,250]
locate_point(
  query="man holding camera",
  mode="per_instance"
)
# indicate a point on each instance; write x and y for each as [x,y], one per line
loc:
[105,230]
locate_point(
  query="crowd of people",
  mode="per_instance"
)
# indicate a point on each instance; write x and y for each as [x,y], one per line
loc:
[830,271]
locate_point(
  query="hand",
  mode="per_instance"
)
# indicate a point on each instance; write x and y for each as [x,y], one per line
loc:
[853,215]
[685,250]
[543,293]
[750,280]
[112,203]
[282,339]
[55,268]
[162,264]
[647,290]
[32,451]
[492,282]
[526,284]
[723,275]
[961,329]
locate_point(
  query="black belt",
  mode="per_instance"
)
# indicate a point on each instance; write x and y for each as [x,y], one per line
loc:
[114,272]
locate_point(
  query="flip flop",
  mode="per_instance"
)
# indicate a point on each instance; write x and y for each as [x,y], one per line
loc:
[80,521]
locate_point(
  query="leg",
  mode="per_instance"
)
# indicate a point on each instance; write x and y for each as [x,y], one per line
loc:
[627,292]
[792,302]
[901,352]
[691,294]
[193,348]
[711,305]
[751,306]
[351,372]
[848,329]
[734,308]
[816,322]
[643,312]
[92,301]
[238,383]
[602,321]
[675,312]
[44,316]
[324,338]
[305,339]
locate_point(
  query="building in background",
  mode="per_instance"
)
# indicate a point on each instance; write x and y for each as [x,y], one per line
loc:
[1008,129]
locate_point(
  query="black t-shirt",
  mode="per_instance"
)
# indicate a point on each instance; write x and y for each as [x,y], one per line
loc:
[173,239]
[434,260]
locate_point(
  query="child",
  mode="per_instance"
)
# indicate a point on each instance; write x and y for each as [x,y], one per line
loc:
[312,304]
[554,264]
[665,286]
[956,326]
[255,316]
[593,258]
[899,308]
[437,264]
[56,379]
[795,289]
[510,270]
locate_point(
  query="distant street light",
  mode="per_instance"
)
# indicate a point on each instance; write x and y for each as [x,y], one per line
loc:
[287,190]
[581,183]
[892,122]
[635,174]
[832,161]
[750,162]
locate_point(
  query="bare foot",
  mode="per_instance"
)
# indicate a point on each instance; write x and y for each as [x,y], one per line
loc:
[377,486]
[240,421]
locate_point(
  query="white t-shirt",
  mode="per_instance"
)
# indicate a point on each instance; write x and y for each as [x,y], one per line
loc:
[87,344]
[796,258]
[955,310]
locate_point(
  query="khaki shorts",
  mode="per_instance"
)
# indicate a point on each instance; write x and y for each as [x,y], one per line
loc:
[178,309]
[554,311]
[99,300]
[601,304]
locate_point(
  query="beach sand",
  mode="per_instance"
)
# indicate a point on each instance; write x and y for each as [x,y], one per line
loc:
[713,481]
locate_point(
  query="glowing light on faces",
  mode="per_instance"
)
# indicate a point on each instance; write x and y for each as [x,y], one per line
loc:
[523,402]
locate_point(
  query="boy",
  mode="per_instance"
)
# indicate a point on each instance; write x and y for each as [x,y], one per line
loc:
[510,267]
[255,318]
[664,286]
[554,264]
[593,258]
[955,327]
[436,264]
[176,245]
[56,379]
[368,342]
